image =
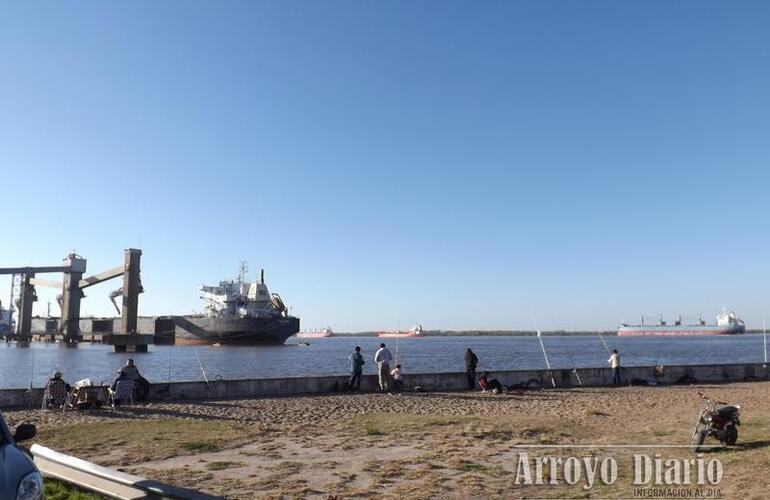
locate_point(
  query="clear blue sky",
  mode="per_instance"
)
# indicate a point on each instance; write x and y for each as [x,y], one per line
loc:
[458,164]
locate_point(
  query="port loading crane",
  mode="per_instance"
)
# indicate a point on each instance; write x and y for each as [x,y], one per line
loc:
[73,268]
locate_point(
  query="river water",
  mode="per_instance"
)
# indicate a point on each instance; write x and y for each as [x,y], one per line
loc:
[328,356]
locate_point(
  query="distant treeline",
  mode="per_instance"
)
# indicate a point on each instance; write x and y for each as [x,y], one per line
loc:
[483,333]
[500,333]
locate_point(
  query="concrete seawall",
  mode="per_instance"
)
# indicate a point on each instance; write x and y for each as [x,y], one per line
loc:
[590,377]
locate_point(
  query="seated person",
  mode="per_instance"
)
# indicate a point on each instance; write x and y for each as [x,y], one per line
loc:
[122,389]
[56,390]
[488,384]
[141,385]
[398,383]
[130,370]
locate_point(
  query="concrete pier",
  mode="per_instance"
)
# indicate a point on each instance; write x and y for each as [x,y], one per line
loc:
[590,377]
[149,330]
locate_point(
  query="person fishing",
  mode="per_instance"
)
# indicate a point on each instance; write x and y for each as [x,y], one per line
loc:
[614,362]
[383,357]
[471,362]
[357,362]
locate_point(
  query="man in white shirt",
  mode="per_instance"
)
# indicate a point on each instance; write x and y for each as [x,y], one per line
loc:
[614,362]
[383,357]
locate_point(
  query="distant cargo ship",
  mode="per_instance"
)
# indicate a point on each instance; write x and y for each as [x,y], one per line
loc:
[325,332]
[727,324]
[238,312]
[415,331]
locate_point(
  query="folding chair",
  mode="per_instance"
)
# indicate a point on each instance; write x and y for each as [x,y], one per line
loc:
[123,393]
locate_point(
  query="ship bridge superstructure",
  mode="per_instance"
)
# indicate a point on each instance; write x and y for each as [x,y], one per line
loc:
[241,299]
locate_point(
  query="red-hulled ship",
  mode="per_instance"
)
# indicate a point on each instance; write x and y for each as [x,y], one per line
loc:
[415,331]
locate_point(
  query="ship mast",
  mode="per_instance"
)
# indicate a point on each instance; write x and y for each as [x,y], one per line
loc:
[242,271]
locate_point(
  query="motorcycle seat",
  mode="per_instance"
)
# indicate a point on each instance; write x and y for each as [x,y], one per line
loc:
[727,411]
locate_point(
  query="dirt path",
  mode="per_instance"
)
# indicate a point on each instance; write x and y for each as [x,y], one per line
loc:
[423,445]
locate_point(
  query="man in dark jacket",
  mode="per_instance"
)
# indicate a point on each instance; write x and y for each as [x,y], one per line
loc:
[471,362]
[141,385]
[356,369]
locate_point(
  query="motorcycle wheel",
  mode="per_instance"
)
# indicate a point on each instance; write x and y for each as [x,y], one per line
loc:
[698,435]
[697,440]
[731,435]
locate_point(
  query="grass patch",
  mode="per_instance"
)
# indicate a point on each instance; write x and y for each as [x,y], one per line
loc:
[466,466]
[377,424]
[145,439]
[222,465]
[534,431]
[56,490]
[442,421]
[201,446]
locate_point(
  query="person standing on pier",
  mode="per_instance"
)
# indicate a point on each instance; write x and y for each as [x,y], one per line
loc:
[471,362]
[356,369]
[614,362]
[383,357]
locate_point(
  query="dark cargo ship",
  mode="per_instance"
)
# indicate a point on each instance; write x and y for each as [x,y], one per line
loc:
[238,312]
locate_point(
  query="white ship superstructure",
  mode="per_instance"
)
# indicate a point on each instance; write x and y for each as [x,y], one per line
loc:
[241,299]
[316,334]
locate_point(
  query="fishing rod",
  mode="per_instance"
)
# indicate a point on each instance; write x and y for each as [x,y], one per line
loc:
[604,344]
[547,363]
[31,379]
[205,378]
[764,339]
[574,368]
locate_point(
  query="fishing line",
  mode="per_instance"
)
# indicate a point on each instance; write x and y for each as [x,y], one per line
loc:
[397,339]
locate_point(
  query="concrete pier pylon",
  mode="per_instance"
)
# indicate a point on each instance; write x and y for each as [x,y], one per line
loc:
[128,338]
[71,295]
[26,300]
[132,287]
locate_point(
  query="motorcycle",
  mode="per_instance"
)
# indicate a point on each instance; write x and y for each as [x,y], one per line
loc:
[717,419]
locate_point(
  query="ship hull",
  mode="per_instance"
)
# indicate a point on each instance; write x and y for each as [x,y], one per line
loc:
[197,330]
[397,335]
[679,330]
[313,335]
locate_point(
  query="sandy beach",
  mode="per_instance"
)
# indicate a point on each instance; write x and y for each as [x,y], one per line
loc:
[420,445]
